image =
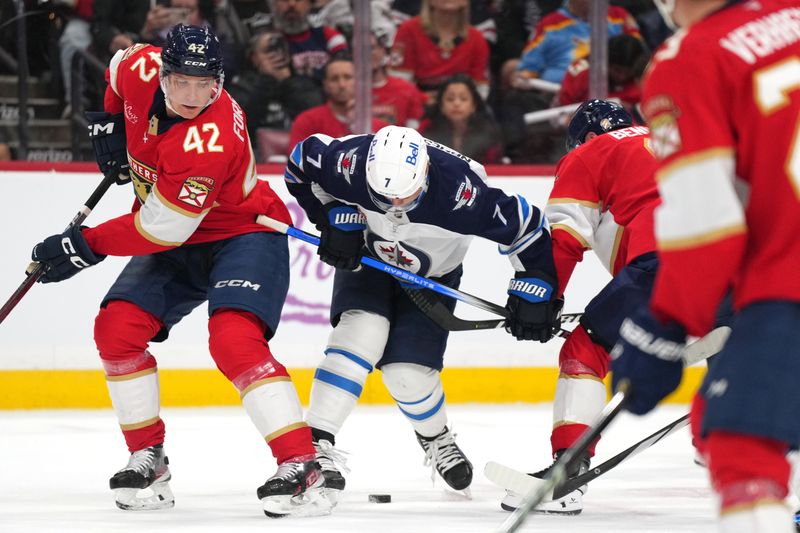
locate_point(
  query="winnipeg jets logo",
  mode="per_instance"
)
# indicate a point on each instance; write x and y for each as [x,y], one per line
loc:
[399,254]
[465,195]
[346,164]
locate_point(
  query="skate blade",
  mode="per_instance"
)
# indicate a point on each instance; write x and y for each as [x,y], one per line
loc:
[156,496]
[332,495]
[313,502]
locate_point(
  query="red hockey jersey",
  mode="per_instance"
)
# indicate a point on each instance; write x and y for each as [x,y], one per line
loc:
[417,58]
[195,180]
[723,102]
[398,102]
[603,199]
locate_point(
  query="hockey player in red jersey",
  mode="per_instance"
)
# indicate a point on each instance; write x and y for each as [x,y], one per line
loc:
[193,238]
[602,200]
[722,99]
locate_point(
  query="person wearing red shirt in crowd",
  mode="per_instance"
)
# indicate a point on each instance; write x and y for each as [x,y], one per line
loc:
[335,117]
[171,129]
[394,100]
[722,99]
[439,43]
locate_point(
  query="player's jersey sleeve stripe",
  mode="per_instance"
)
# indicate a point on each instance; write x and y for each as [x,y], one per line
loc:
[525,236]
[164,223]
[251,177]
[580,219]
[572,233]
[113,68]
[686,218]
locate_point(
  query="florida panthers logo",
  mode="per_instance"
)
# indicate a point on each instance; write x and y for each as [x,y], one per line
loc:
[400,255]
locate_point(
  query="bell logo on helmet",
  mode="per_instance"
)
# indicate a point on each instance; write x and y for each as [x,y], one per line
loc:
[412,159]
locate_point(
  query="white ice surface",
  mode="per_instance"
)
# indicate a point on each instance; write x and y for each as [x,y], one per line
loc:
[55,465]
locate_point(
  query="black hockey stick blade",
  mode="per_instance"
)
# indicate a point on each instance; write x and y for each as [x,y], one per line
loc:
[35,270]
[558,472]
[438,312]
[577,481]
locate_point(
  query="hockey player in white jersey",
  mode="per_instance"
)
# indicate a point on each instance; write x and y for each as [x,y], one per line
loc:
[415,204]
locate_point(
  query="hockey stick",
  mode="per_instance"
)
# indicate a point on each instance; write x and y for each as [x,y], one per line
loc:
[438,312]
[522,483]
[570,458]
[33,274]
[398,273]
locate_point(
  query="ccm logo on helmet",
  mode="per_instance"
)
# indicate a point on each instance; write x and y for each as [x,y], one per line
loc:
[412,159]
[195,63]
[237,283]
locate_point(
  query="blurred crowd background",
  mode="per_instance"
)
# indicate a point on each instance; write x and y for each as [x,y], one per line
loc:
[493,79]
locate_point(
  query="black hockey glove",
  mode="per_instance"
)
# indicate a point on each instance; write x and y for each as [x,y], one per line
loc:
[64,255]
[107,133]
[534,310]
[341,236]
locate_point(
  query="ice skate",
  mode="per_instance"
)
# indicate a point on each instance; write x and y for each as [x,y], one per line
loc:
[443,454]
[296,489]
[331,461]
[143,485]
[569,504]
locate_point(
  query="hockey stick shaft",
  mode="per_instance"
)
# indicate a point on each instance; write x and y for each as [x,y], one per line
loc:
[36,272]
[559,470]
[398,273]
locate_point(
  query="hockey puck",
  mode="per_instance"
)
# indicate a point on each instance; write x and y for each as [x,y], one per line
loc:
[380,498]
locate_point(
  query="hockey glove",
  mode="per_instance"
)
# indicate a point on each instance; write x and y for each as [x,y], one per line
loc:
[107,133]
[649,355]
[64,255]
[341,236]
[534,310]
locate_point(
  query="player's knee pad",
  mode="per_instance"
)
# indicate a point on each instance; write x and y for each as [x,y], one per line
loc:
[746,470]
[580,355]
[237,345]
[419,395]
[122,332]
[354,347]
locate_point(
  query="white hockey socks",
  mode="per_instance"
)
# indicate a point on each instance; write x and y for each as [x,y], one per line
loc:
[419,394]
[354,346]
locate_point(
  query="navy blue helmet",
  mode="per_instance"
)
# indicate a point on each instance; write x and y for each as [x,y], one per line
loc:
[598,116]
[193,51]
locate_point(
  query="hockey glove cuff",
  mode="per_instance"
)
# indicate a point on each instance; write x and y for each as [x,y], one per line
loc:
[64,255]
[649,355]
[341,236]
[533,307]
[109,142]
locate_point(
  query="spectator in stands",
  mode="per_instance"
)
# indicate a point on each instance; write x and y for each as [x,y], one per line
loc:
[394,100]
[461,121]
[270,94]
[76,36]
[480,15]
[439,43]
[561,38]
[338,14]
[310,47]
[627,59]
[336,116]
[117,24]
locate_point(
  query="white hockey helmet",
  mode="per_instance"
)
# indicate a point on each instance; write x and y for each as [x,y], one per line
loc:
[397,167]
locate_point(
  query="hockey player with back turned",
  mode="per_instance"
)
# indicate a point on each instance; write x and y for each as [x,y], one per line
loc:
[602,200]
[722,99]
[416,204]
[192,232]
